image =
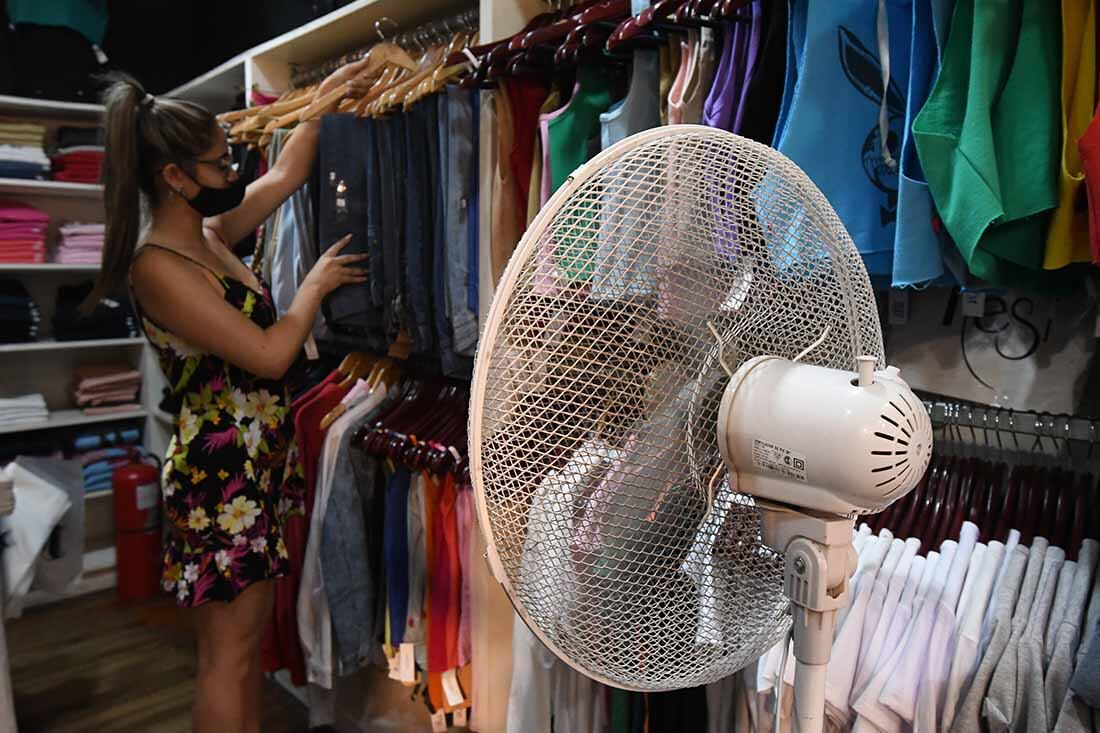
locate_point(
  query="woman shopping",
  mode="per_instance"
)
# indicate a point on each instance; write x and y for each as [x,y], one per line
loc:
[231,475]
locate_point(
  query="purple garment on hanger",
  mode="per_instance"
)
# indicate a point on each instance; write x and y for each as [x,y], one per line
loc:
[748,68]
[725,105]
[719,103]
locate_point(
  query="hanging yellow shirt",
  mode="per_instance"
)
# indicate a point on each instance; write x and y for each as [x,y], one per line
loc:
[1068,236]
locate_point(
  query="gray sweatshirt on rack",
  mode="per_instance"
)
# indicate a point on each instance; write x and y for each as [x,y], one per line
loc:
[1068,634]
[1031,704]
[1004,688]
[967,717]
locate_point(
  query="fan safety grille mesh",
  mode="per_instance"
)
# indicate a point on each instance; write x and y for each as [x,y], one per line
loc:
[597,389]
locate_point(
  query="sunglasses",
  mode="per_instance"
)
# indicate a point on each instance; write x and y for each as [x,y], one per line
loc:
[225,163]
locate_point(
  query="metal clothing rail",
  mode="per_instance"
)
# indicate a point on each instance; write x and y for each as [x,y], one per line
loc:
[975,419]
[416,39]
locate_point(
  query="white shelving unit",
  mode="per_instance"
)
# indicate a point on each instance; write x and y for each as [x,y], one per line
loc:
[70,418]
[268,67]
[7,269]
[29,107]
[51,188]
[46,366]
[53,345]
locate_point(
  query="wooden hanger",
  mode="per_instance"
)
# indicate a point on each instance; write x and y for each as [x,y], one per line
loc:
[432,84]
[379,57]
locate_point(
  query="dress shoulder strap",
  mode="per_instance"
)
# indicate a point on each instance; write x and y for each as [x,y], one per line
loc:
[177,253]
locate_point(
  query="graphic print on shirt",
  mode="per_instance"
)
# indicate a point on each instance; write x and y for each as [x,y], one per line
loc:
[864,71]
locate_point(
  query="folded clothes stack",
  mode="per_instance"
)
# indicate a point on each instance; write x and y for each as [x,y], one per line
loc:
[98,466]
[108,320]
[19,315]
[81,244]
[22,153]
[78,164]
[29,408]
[104,437]
[22,233]
[101,389]
[78,137]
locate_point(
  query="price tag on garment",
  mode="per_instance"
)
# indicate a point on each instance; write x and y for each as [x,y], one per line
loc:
[392,661]
[439,721]
[311,348]
[973,304]
[460,718]
[452,691]
[406,663]
[899,307]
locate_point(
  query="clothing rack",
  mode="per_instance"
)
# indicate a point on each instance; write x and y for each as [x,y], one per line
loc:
[415,39]
[983,423]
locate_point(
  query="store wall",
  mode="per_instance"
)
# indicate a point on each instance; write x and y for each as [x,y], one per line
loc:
[1028,352]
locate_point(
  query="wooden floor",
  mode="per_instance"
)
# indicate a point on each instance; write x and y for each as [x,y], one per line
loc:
[90,664]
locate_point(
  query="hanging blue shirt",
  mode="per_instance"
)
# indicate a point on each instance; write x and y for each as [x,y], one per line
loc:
[832,127]
[918,247]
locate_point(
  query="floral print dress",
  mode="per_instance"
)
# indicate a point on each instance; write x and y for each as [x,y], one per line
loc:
[232,476]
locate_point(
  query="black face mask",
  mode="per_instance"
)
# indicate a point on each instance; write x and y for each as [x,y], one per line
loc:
[214,201]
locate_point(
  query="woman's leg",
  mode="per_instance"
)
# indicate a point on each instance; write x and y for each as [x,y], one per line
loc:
[254,710]
[229,637]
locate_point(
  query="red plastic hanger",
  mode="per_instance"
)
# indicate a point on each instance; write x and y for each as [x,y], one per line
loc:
[1006,512]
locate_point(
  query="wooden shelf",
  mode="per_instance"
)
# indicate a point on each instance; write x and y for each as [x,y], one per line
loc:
[47,267]
[29,106]
[98,494]
[217,89]
[50,188]
[69,418]
[53,345]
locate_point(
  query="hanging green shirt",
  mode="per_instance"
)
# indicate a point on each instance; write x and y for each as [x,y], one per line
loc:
[989,136]
[87,17]
[574,135]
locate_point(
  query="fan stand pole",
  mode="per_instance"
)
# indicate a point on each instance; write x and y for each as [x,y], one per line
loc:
[819,559]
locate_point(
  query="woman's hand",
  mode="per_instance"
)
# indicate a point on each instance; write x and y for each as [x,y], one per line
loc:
[334,269]
[347,75]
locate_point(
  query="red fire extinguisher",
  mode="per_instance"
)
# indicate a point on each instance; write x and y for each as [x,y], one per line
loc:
[137,530]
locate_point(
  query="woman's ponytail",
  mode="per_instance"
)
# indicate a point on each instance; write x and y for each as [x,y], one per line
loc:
[142,135]
[123,102]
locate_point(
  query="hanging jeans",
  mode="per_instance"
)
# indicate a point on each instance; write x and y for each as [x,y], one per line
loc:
[391,164]
[460,160]
[343,210]
[446,249]
[418,226]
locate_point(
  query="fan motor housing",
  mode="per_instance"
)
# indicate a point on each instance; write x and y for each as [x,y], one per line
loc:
[814,437]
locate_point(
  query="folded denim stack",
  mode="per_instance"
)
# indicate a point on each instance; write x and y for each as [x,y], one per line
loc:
[22,153]
[98,466]
[110,319]
[81,244]
[22,233]
[101,389]
[78,164]
[19,315]
[29,408]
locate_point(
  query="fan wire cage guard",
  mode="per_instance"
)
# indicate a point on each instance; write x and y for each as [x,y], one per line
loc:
[596,395]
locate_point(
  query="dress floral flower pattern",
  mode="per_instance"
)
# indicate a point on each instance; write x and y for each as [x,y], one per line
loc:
[232,476]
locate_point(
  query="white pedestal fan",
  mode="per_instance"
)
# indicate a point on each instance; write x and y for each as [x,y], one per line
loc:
[680,404]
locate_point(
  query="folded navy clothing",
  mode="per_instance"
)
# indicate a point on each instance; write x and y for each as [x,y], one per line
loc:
[71,137]
[110,318]
[13,169]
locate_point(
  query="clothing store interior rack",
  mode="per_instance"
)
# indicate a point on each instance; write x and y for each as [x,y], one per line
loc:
[46,366]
